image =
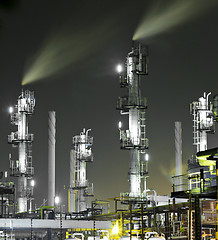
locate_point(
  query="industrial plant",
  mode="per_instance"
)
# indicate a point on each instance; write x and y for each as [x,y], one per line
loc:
[189,213]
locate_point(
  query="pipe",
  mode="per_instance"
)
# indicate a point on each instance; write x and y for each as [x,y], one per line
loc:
[51,157]
[71,200]
[87,132]
[78,234]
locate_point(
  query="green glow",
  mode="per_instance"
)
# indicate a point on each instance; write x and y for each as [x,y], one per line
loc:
[161,18]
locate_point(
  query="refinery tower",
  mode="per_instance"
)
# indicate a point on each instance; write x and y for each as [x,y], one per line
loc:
[22,167]
[80,189]
[134,139]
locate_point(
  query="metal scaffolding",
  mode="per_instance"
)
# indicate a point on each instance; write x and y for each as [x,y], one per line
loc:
[80,189]
[22,167]
[134,139]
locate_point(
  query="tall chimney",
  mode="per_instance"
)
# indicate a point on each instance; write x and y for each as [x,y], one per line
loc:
[51,157]
[178,149]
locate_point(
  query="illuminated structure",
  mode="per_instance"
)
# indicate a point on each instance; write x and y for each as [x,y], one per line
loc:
[134,139]
[51,157]
[203,121]
[22,168]
[201,171]
[80,190]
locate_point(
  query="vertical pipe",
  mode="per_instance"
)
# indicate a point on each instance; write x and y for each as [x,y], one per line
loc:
[170,237]
[216,200]
[51,157]
[142,211]
[130,219]
[71,201]
[189,216]
[178,152]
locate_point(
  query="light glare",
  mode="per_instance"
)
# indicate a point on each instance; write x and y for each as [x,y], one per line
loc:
[10,109]
[120,125]
[32,183]
[119,68]
[57,200]
[115,229]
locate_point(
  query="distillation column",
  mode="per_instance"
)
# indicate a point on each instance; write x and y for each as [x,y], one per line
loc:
[80,190]
[203,121]
[22,168]
[135,139]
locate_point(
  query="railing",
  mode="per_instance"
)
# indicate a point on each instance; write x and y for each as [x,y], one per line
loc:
[87,156]
[79,184]
[128,102]
[15,171]
[15,137]
[127,143]
[83,140]
[192,182]
[29,103]
[7,184]
[89,190]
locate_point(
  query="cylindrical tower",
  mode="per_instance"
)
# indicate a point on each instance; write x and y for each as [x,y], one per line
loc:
[80,190]
[178,147]
[203,121]
[51,157]
[134,105]
[178,151]
[22,168]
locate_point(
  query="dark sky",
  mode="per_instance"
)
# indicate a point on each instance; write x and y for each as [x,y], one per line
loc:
[183,64]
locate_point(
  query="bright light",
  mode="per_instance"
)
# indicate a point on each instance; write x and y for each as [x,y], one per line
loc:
[10,109]
[119,68]
[57,200]
[32,183]
[146,157]
[115,229]
[119,125]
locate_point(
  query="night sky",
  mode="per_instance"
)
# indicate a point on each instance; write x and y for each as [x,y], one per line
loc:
[87,39]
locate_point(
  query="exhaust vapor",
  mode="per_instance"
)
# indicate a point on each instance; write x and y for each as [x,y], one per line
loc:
[62,49]
[163,18]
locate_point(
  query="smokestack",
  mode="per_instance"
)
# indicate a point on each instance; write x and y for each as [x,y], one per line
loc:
[178,147]
[178,152]
[51,158]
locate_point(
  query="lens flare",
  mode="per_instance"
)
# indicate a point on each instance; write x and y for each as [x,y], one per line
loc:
[163,18]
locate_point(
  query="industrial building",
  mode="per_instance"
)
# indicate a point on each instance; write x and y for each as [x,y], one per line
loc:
[189,213]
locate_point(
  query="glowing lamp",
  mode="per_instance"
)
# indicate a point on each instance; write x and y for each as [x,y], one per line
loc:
[115,229]
[146,157]
[119,68]
[32,183]
[57,200]
[120,125]
[10,109]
